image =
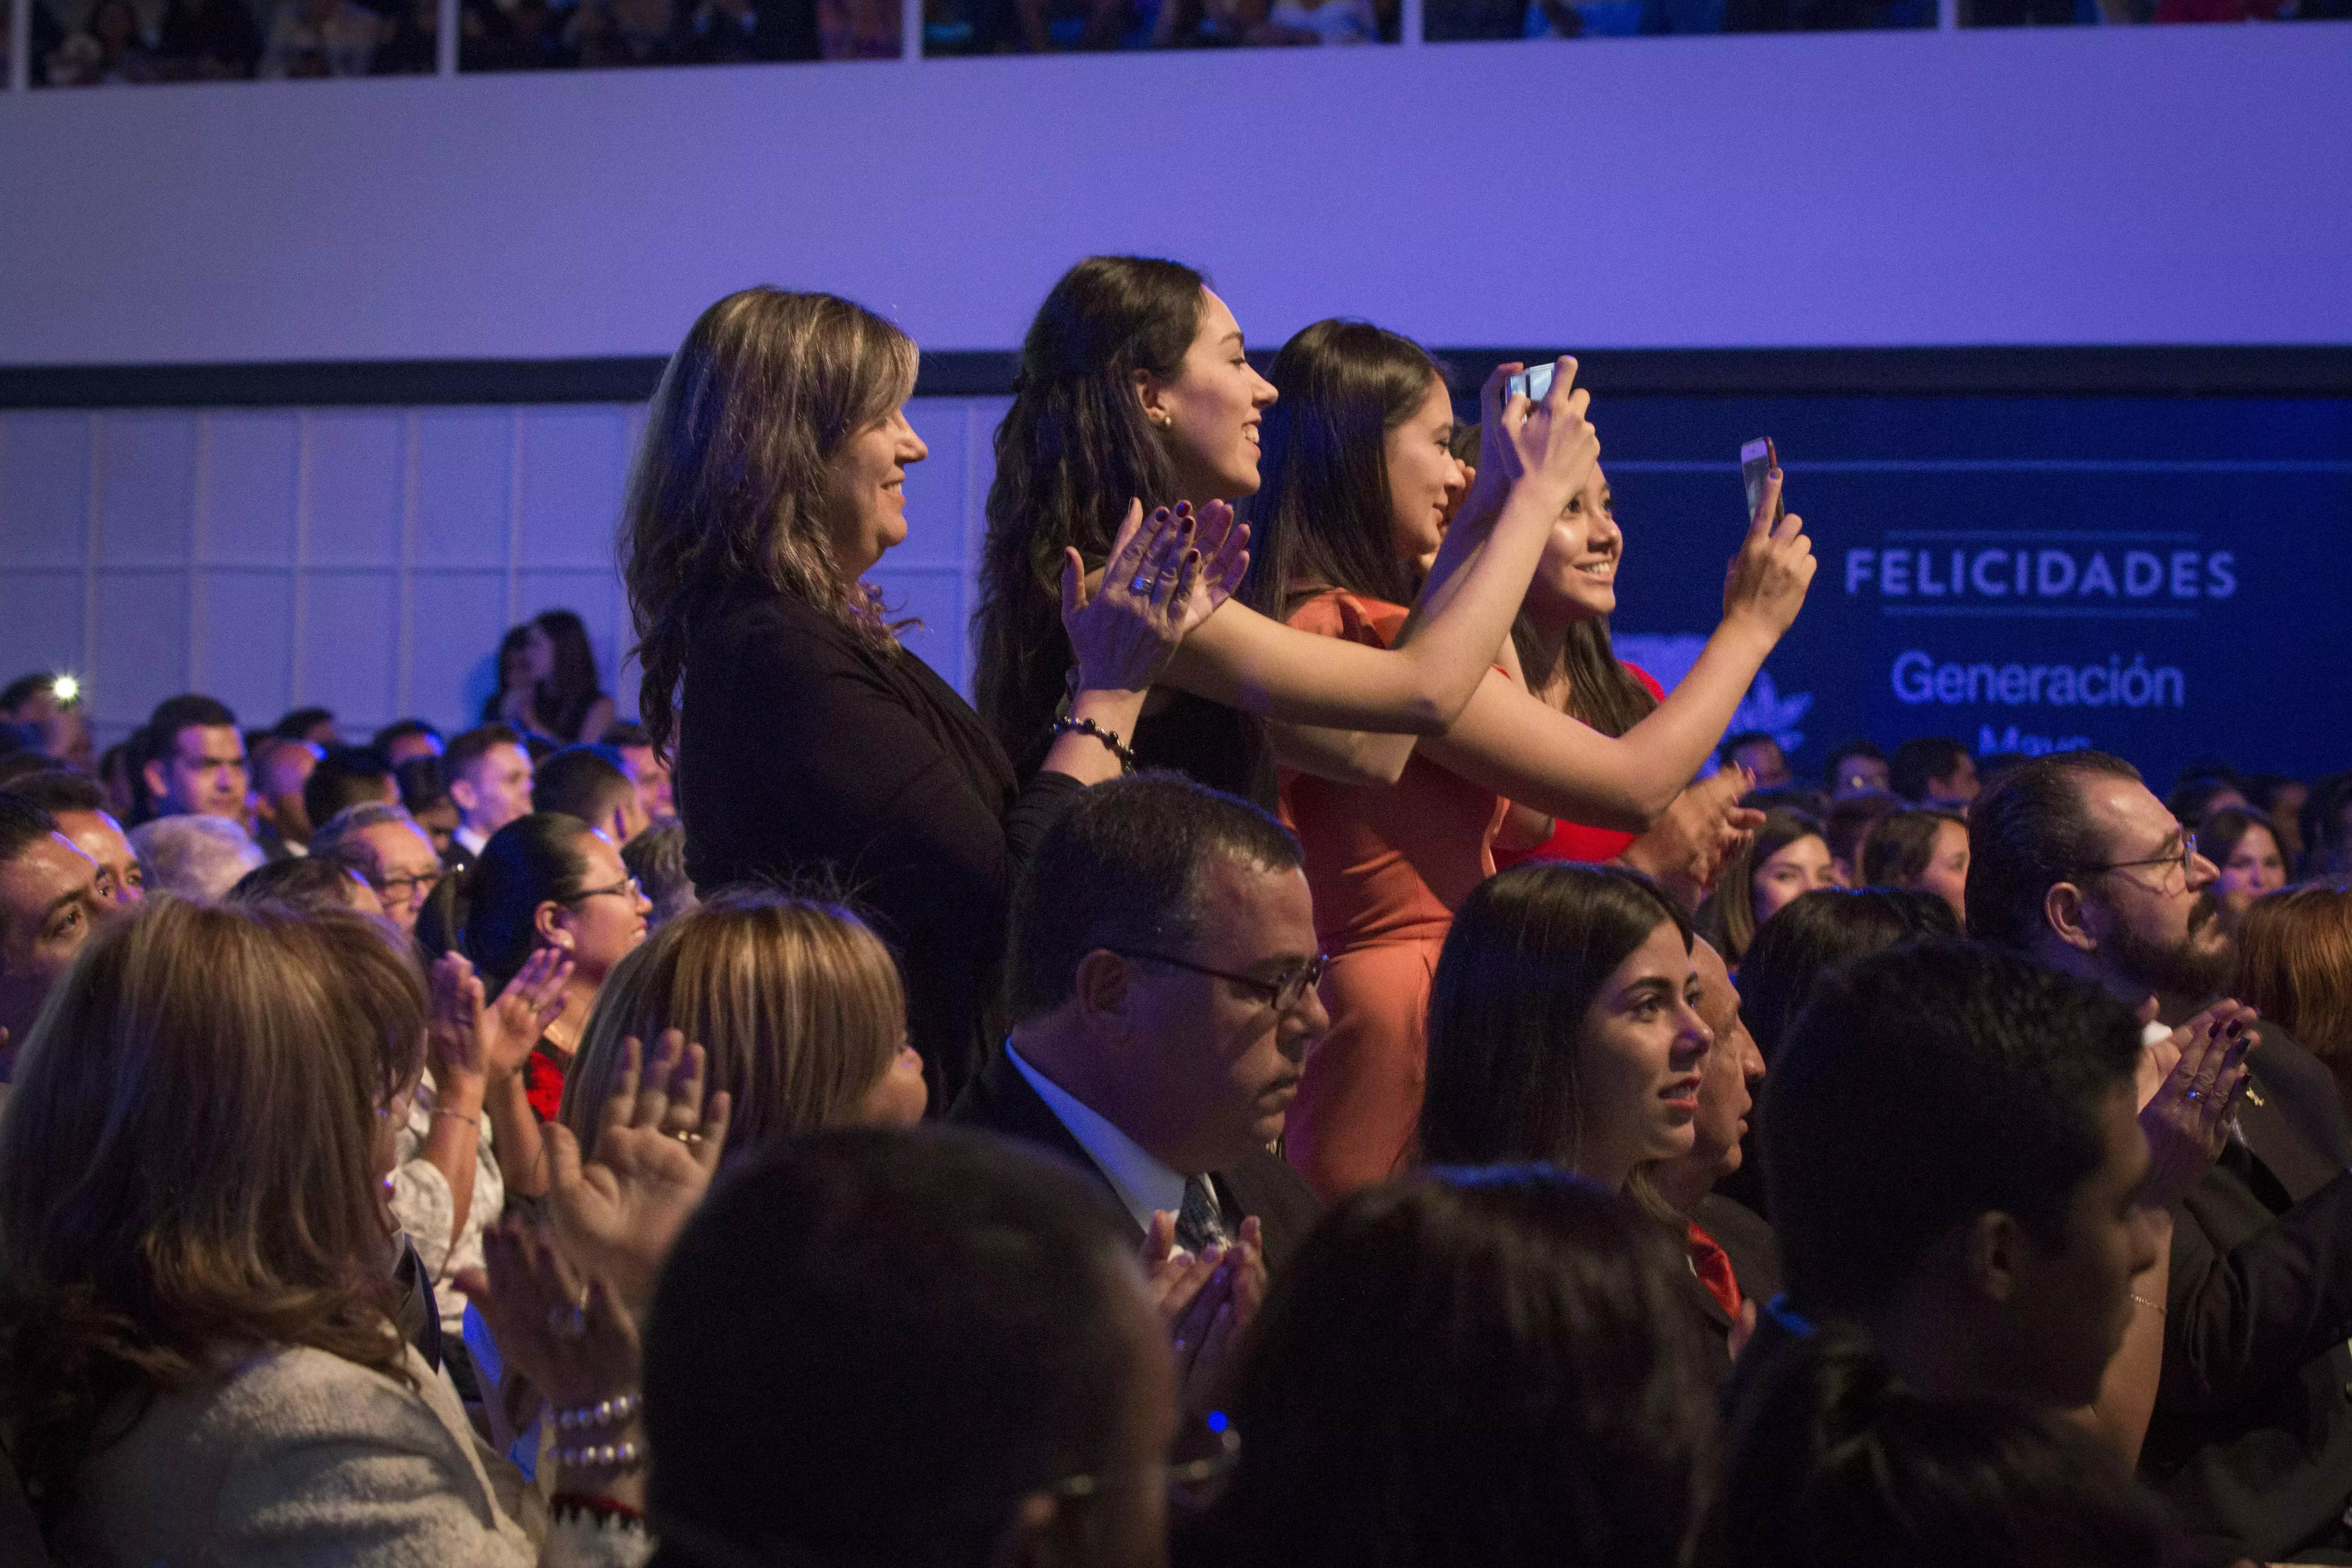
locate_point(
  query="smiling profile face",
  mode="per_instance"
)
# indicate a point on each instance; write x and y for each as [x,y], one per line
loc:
[1426,482]
[1208,415]
[865,492]
[1576,580]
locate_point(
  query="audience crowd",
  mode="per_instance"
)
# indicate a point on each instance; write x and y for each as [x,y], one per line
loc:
[1279,1083]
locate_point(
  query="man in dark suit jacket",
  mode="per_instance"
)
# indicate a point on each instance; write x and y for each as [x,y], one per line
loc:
[1162,980]
[2075,863]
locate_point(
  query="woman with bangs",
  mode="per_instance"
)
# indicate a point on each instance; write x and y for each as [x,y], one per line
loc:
[1359,480]
[808,740]
[199,1361]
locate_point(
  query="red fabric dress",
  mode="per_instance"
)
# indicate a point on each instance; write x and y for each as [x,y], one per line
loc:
[1388,866]
[543,1079]
[1574,841]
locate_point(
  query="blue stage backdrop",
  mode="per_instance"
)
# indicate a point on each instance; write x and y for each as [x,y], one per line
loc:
[2167,579]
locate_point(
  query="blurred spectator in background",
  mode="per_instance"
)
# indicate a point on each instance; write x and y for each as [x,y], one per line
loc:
[316,725]
[1760,754]
[1788,857]
[857,30]
[118,775]
[35,702]
[2327,820]
[198,857]
[2281,799]
[425,794]
[280,771]
[646,768]
[389,851]
[1858,767]
[2294,951]
[347,776]
[1921,848]
[411,45]
[405,739]
[551,688]
[728,31]
[193,760]
[112,48]
[2244,846]
[1317,21]
[305,882]
[508,35]
[207,40]
[1846,828]
[489,777]
[79,808]
[322,38]
[589,782]
[601,33]
[2198,793]
[656,858]
[1934,771]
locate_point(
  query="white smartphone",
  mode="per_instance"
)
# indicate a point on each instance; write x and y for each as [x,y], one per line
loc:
[1535,386]
[1757,460]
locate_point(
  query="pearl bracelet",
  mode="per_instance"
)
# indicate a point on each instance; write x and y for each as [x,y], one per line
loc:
[602,1456]
[614,1412]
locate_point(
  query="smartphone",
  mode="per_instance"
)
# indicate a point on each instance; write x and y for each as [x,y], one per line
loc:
[1757,460]
[1535,386]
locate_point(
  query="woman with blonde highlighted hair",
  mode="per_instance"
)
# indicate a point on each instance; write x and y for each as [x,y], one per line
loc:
[199,1360]
[796,1002]
[2294,954]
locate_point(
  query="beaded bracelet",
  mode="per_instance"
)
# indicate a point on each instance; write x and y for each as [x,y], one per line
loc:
[602,1456]
[614,1412]
[1110,738]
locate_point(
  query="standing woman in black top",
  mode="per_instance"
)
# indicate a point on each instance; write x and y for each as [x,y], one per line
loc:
[807,740]
[1134,392]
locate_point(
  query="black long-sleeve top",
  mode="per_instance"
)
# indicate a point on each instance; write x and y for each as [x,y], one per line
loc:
[802,752]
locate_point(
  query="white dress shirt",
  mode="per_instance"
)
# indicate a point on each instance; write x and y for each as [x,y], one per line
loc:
[1142,1181]
[472,840]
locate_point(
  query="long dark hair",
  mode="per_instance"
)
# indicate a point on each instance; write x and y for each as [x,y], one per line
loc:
[1071,452]
[1824,930]
[724,494]
[1901,845]
[1529,950]
[1322,518]
[531,861]
[1488,1368]
[572,686]
[1727,918]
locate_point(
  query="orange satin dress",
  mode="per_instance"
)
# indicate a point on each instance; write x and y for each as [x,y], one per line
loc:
[1387,866]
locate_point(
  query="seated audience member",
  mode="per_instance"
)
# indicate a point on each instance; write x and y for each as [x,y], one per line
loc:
[79,807]
[19,764]
[1845,828]
[2280,799]
[2294,968]
[118,775]
[347,776]
[1760,754]
[33,701]
[322,38]
[589,782]
[2324,822]
[1468,1367]
[198,857]
[1161,970]
[798,1009]
[2076,865]
[1836,1462]
[1858,767]
[646,768]
[1923,848]
[282,770]
[406,740]
[547,881]
[656,858]
[1934,771]
[1821,931]
[316,725]
[386,846]
[1733,1264]
[2244,847]
[425,794]
[1788,857]
[2198,796]
[301,882]
[928,1304]
[197,1284]
[489,774]
[192,760]
[52,896]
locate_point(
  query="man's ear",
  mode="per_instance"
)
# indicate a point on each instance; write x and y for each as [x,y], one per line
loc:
[1102,982]
[463,795]
[2069,915]
[159,782]
[1995,1242]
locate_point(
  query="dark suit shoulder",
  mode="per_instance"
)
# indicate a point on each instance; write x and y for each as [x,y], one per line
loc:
[2304,1089]
[1748,1241]
[1262,1184]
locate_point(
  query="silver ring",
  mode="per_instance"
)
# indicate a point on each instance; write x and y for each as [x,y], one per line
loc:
[2194,1094]
[1142,583]
[689,1139]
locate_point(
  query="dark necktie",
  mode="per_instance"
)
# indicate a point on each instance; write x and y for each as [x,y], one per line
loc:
[1199,1225]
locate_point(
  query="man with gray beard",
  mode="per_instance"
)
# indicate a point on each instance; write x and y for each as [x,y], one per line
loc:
[2074,864]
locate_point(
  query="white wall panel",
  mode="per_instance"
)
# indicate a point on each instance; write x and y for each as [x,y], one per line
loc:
[355,466]
[245,639]
[250,462]
[146,507]
[465,500]
[455,619]
[572,461]
[40,618]
[45,489]
[349,632]
[139,643]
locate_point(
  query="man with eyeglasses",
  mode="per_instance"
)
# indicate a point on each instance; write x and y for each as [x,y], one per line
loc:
[391,850]
[1161,976]
[2075,863]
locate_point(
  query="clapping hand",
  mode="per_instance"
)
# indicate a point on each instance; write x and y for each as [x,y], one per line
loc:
[1702,829]
[574,1344]
[1224,541]
[1206,1301]
[657,1147]
[492,1042]
[1124,629]
[2200,1072]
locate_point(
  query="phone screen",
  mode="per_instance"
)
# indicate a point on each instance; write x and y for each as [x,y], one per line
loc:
[1532,384]
[1757,460]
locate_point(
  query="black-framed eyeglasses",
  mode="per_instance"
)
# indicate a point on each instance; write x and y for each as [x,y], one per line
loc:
[405,888]
[626,887]
[1216,1448]
[1283,995]
[2186,859]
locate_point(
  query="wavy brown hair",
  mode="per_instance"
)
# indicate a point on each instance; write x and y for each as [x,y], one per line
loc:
[797,1002]
[2294,950]
[188,1166]
[725,492]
